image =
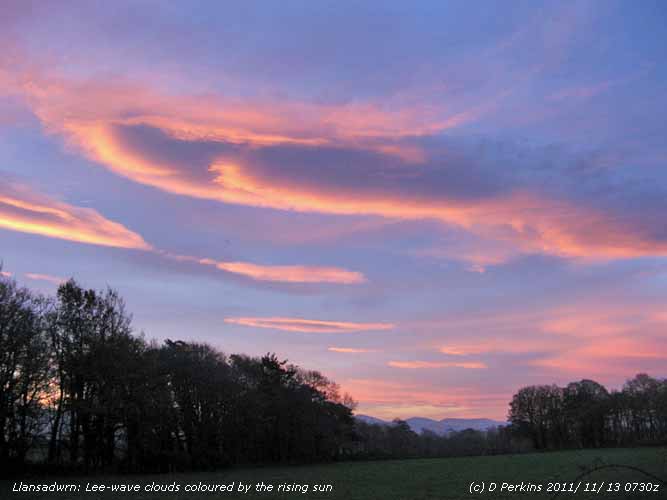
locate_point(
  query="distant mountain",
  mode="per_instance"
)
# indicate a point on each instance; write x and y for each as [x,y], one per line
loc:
[371,420]
[421,424]
[441,427]
[447,425]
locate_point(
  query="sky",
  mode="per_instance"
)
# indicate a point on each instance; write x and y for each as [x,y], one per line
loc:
[432,203]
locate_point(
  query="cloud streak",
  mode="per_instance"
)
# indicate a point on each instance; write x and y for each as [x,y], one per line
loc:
[56,280]
[292,274]
[350,350]
[308,325]
[278,274]
[25,211]
[420,365]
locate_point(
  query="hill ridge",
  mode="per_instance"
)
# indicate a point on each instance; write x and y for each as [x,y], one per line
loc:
[442,426]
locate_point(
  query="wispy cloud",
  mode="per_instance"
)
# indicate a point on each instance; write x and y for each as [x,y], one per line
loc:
[350,350]
[23,210]
[26,211]
[282,274]
[290,274]
[464,350]
[57,280]
[418,365]
[308,325]
[531,221]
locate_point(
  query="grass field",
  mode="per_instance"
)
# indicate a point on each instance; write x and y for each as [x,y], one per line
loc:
[418,479]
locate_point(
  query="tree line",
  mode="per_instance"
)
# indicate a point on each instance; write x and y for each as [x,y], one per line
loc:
[582,414]
[585,414]
[79,390]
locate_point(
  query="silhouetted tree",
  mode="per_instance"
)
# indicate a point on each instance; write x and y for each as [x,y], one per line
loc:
[24,371]
[537,412]
[586,405]
[199,378]
[92,341]
[587,415]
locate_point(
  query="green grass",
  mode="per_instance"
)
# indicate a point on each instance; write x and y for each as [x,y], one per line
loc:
[442,479]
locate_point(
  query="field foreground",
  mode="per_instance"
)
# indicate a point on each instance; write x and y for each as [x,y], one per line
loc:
[443,479]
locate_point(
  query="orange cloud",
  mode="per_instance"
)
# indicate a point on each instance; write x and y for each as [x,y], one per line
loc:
[350,350]
[308,325]
[27,212]
[417,365]
[96,118]
[283,274]
[5,274]
[530,223]
[467,349]
[86,110]
[45,277]
[24,211]
[292,274]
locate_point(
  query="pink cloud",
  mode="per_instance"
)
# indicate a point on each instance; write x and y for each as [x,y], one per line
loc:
[418,365]
[282,274]
[26,211]
[308,325]
[292,274]
[349,350]
[57,280]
